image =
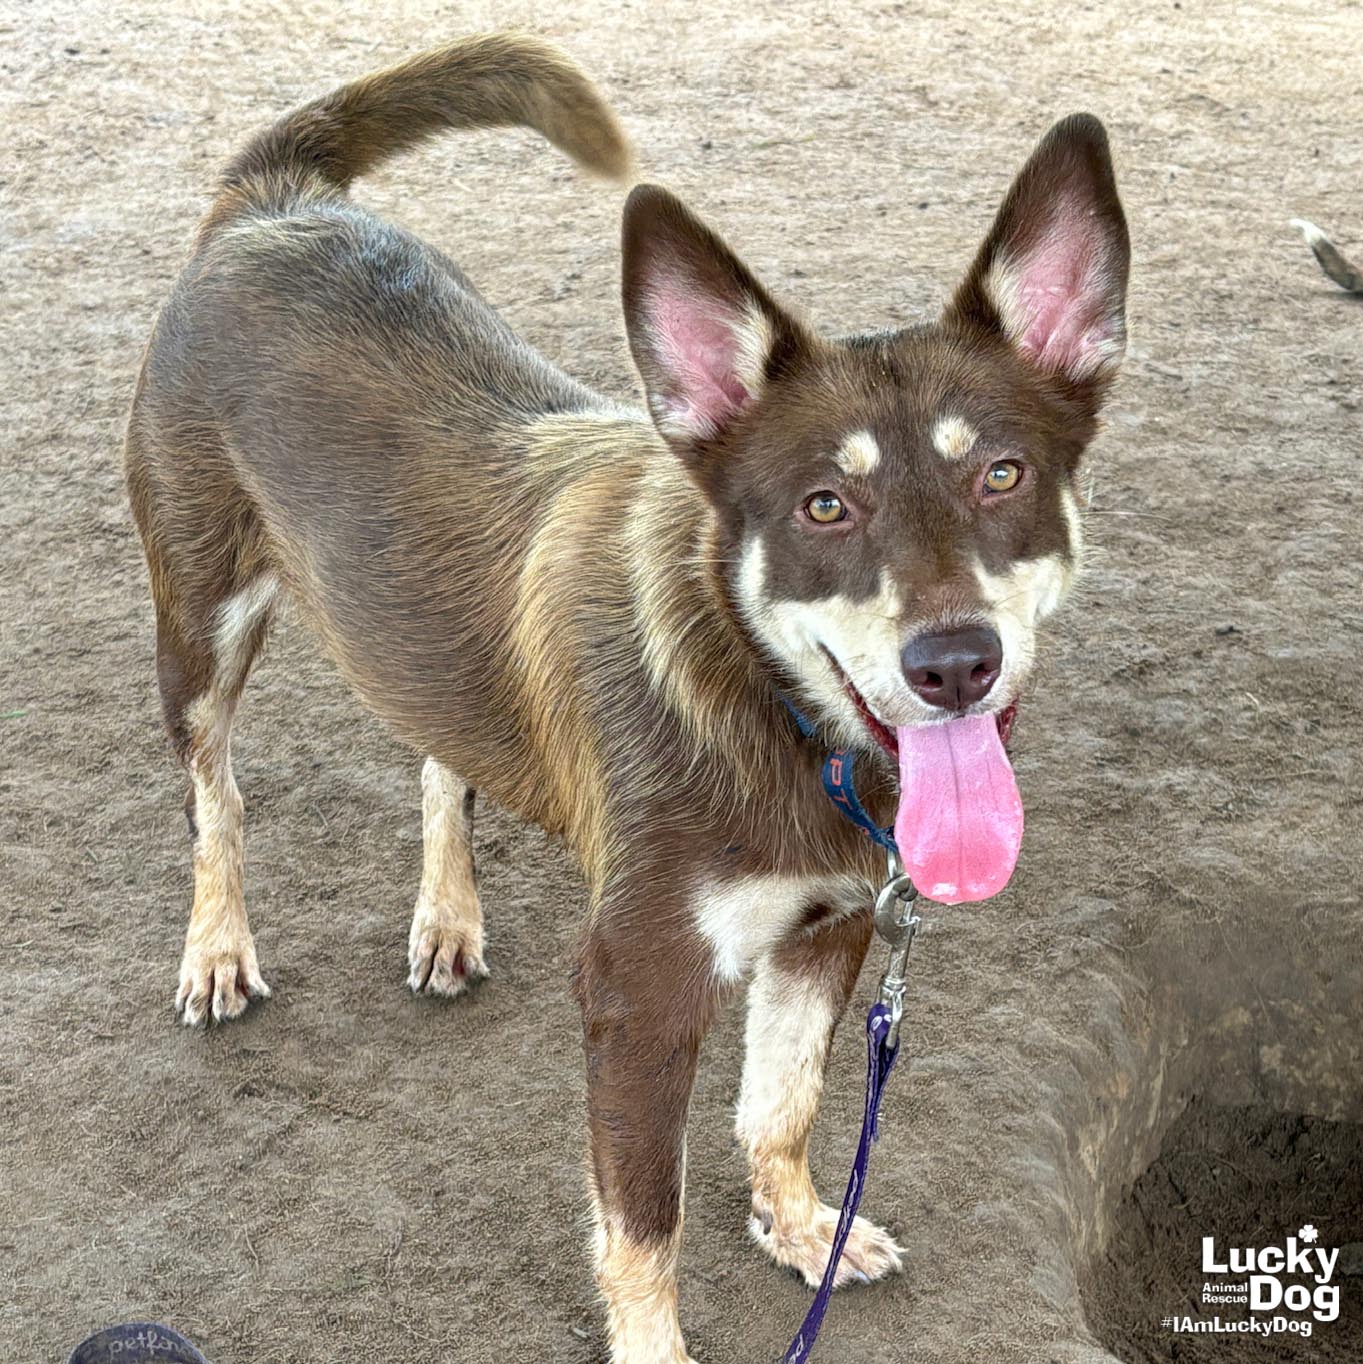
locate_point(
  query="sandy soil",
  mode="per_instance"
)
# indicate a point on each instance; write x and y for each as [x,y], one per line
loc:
[352,1174]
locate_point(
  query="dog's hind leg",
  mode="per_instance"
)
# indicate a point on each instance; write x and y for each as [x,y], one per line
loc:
[445,947]
[213,584]
[201,674]
[797,995]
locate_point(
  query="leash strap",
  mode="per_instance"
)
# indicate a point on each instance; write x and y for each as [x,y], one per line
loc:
[880,1054]
[896,923]
[838,783]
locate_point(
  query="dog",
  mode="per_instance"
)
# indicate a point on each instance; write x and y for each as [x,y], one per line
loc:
[622,623]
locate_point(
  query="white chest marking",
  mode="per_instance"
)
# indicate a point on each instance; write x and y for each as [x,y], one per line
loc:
[744,919]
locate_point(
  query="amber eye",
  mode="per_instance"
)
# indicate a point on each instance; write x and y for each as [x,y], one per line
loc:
[1002,477]
[825,508]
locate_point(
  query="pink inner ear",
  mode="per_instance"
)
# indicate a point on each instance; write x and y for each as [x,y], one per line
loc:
[698,346]
[1063,306]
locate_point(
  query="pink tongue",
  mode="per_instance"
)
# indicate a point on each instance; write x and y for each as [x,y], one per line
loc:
[959,824]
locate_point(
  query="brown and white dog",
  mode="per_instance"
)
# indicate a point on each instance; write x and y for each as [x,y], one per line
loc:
[592,612]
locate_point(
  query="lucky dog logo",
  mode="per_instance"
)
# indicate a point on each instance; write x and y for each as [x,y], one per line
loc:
[1286,1289]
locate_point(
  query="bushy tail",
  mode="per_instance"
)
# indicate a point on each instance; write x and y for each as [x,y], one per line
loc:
[1345,274]
[496,80]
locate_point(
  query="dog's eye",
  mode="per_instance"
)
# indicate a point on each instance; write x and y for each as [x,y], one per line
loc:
[825,508]
[1002,477]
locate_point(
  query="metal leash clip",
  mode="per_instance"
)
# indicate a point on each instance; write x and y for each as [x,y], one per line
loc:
[896,922]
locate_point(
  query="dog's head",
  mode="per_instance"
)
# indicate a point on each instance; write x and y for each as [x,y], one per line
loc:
[897,511]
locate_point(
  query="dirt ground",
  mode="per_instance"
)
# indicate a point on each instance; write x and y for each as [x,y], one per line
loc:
[351,1174]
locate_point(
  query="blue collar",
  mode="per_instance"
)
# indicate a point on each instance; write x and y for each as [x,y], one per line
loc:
[838,783]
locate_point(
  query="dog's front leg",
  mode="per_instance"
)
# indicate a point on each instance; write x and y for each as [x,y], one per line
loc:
[798,993]
[645,1008]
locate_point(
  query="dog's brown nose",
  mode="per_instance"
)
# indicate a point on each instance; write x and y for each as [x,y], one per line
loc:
[955,668]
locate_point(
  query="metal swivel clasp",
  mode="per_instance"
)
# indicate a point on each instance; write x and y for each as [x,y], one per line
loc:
[896,922]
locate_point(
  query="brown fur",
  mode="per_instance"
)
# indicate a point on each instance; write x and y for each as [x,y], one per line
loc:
[540,590]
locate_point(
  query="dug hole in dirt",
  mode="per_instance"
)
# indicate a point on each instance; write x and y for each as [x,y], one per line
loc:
[1232,1121]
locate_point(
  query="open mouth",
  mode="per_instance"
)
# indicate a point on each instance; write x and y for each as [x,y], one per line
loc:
[958,828]
[885,736]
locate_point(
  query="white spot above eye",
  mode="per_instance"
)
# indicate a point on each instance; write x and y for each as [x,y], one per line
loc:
[953,437]
[858,454]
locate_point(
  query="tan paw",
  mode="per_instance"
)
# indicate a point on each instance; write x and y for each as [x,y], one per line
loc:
[218,979]
[444,954]
[870,1252]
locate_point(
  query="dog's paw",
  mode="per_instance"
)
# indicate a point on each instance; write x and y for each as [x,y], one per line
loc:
[218,978]
[444,953]
[870,1252]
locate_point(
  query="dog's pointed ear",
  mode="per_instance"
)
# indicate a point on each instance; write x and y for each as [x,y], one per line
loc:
[1051,275]
[705,335]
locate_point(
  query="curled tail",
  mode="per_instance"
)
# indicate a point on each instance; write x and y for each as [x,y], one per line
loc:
[496,80]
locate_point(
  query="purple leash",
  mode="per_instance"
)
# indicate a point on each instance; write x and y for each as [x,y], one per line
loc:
[896,922]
